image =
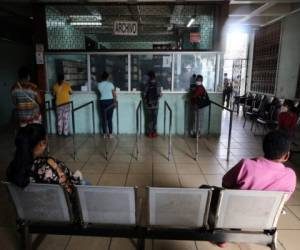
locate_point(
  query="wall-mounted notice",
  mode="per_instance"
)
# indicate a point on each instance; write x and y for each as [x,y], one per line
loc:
[125,28]
[167,61]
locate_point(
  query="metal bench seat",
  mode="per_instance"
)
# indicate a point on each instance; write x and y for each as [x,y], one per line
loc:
[173,213]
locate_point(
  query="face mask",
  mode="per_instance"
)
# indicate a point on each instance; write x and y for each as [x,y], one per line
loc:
[284,109]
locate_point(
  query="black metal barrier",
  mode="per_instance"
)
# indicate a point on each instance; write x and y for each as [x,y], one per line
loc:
[230,124]
[73,121]
[167,106]
[73,110]
[138,120]
[112,106]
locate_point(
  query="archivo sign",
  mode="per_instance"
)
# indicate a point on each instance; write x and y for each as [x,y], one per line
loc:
[125,28]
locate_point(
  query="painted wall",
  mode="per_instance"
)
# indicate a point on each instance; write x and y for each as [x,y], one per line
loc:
[289,60]
[13,56]
[127,119]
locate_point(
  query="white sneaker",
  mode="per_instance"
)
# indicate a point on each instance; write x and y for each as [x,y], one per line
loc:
[110,136]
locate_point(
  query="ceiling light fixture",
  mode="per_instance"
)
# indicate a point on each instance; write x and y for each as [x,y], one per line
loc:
[86,17]
[192,20]
[86,23]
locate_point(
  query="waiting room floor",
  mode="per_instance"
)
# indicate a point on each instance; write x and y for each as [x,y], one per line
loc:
[151,169]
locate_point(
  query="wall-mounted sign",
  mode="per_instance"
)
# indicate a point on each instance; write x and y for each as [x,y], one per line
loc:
[194,37]
[125,28]
[39,57]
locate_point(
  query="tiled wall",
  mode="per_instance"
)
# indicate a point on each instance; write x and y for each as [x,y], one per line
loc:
[60,34]
[206,34]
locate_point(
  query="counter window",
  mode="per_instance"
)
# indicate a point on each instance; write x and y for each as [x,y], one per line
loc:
[142,64]
[115,65]
[72,67]
[186,65]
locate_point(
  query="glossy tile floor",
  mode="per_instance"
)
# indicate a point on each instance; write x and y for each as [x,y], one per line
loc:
[151,169]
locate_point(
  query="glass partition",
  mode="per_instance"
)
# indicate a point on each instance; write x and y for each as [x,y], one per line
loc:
[174,71]
[186,65]
[161,64]
[73,68]
[115,65]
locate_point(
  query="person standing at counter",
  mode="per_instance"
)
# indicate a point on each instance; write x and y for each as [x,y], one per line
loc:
[199,102]
[151,95]
[107,98]
[62,92]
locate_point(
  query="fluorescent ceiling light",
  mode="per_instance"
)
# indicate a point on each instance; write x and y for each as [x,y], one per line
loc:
[192,20]
[86,17]
[54,23]
[86,23]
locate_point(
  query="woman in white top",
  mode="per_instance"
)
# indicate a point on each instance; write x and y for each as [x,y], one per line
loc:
[107,99]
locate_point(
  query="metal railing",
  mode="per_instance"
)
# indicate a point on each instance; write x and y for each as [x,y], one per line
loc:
[167,107]
[73,110]
[73,121]
[93,114]
[230,124]
[112,106]
[48,109]
[138,120]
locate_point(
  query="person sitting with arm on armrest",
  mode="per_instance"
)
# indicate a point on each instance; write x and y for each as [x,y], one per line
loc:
[265,173]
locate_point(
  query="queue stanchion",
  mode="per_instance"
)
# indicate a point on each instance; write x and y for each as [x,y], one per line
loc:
[230,126]
[167,107]
[138,127]
[209,116]
[197,135]
[229,135]
[91,103]
[117,109]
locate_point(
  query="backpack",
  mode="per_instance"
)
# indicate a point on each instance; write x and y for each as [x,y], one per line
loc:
[203,100]
[152,95]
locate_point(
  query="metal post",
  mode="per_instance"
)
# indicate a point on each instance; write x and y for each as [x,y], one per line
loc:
[209,116]
[49,116]
[185,118]
[106,134]
[27,243]
[165,110]
[170,136]
[74,131]
[93,114]
[137,127]
[117,110]
[197,134]
[140,126]
[229,135]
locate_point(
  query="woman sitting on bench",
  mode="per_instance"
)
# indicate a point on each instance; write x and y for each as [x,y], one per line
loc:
[30,164]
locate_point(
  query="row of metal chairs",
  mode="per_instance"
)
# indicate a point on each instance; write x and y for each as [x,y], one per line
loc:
[262,110]
[172,213]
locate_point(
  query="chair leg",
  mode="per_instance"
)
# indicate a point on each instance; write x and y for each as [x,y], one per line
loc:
[245,121]
[264,129]
[26,238]
[140,244]
[252,125]
[274,243]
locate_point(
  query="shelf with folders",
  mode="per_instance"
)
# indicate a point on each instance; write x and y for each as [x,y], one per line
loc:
[74,72]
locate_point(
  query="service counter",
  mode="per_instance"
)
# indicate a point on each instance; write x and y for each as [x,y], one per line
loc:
[128,103]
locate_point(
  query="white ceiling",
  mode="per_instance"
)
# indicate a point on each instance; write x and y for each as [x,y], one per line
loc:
[253,13]
[261,12]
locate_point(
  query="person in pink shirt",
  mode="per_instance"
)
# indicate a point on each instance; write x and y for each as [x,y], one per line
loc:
[267,172]
[264,173]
